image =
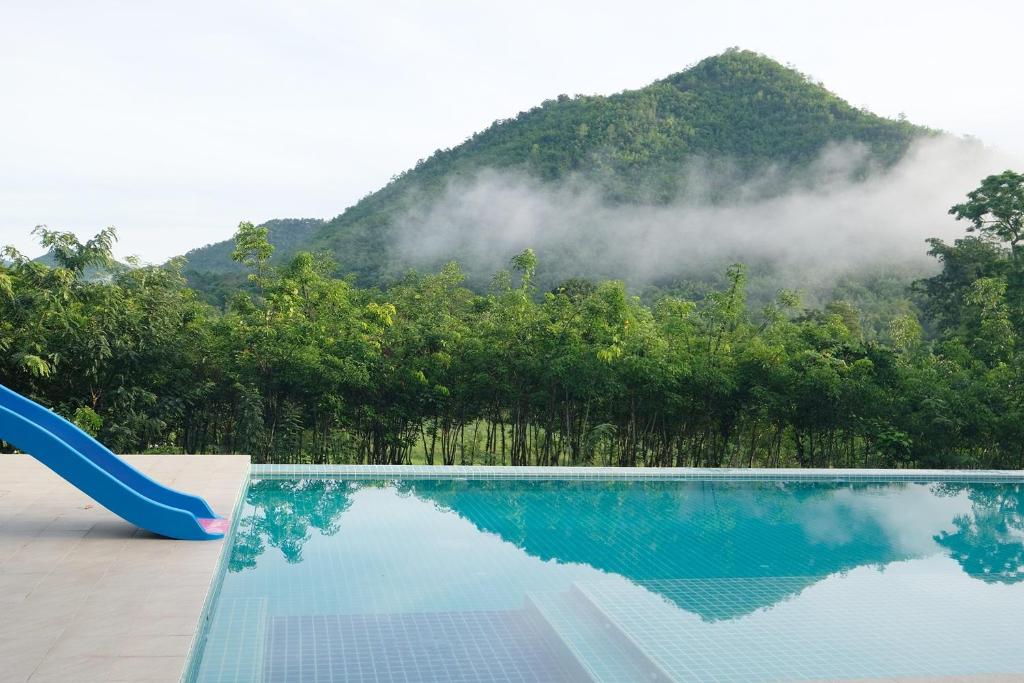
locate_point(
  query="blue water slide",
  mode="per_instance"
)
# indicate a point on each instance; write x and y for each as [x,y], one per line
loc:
[110,481]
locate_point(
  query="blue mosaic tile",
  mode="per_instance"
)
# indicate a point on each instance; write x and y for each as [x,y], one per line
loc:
[391,574]
[441,647]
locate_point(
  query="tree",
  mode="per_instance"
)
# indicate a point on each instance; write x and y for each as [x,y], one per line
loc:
[253,249]
[996,209]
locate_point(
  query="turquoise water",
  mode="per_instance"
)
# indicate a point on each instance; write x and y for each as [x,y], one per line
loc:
[566,580]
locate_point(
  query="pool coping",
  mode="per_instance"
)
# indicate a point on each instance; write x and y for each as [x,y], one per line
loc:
[631,473]
[191,669]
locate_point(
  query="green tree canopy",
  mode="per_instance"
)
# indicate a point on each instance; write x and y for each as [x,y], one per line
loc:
[996,209]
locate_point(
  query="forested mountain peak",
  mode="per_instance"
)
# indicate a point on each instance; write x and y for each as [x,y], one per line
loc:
[736,68]
[739,108]
[785,114]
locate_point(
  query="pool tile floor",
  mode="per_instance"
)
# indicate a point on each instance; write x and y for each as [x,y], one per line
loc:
[438,647]
[86,596]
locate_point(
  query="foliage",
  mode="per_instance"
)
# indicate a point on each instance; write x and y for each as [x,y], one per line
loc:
[996,209]
[304,367]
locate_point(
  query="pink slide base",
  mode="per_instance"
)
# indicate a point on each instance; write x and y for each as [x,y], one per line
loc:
[215,525]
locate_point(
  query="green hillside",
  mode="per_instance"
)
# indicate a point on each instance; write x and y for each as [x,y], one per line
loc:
[288,235]
[738,106]
[211,271]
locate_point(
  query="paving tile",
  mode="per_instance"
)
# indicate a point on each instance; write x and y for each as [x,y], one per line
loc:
[30,564]
[171,626]
[162,607]
[71,523]
[85,625]
[16,587]
[79,669]
[79,586]
[75,645]
[35,617]
[163,645]
[16,672]
[21,651]
[147,669]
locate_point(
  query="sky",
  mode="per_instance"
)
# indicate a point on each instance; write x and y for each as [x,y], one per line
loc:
[174,121]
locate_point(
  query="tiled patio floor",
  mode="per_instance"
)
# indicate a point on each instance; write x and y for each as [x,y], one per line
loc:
[85,596]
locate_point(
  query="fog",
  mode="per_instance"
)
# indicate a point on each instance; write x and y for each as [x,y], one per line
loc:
[840,216]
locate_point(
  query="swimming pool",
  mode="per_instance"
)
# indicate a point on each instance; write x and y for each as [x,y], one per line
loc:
[353,576]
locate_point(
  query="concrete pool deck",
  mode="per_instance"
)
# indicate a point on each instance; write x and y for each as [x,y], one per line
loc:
[86,596]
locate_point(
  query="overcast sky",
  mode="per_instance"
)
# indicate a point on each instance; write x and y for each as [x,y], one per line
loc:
[173,121]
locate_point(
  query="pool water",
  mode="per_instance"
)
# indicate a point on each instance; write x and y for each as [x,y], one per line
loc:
[334,579]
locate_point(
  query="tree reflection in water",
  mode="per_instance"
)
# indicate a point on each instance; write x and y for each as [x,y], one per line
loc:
[989,540]
[281,513]
[652,531]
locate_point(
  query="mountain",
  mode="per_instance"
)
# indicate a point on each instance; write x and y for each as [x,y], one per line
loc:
[739,109]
